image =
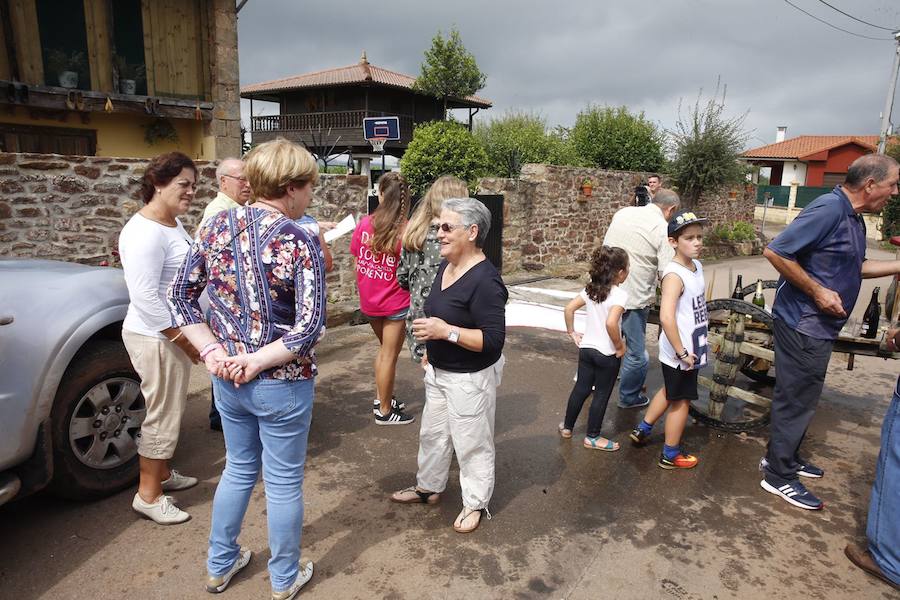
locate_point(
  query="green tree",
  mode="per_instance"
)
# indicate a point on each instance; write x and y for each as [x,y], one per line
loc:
[442,148]
[449,70]
[706,145]
[613,138]
[518,138]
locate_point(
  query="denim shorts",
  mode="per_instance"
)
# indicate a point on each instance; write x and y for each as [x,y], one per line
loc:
[397,316]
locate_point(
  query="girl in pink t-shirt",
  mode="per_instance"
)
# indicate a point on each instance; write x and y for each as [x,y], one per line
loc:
[376,247]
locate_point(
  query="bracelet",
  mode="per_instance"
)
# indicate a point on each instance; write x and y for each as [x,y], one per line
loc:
[209,348]
[180,333]
[682,355]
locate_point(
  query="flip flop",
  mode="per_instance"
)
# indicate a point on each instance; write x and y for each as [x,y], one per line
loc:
[411,495]
[563,432]
[591,443]
[465,522]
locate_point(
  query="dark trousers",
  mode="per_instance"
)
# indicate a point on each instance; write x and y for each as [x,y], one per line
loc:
[800,366]
[598,370]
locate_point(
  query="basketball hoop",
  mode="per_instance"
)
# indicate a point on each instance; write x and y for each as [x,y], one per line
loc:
[377,143]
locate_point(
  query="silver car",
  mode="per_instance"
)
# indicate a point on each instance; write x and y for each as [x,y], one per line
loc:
[70,401]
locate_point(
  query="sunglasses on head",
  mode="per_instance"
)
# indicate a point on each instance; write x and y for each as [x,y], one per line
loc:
[447,227]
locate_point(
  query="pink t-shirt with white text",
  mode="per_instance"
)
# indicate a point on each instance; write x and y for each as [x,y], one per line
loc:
[376,274]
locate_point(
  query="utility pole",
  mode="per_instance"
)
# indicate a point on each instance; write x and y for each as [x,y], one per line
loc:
[889,103]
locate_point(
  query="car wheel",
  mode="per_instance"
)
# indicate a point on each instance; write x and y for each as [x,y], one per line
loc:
[95,421]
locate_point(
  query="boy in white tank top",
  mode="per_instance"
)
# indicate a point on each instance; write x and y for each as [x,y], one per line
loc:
[683,349]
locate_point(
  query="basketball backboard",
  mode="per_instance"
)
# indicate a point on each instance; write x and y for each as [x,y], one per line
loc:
[381,127]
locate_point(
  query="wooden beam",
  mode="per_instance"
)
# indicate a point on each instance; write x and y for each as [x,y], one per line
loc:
[23,14]
[149,58]
[748,348]
[99,43]
[55,99]
[748,397]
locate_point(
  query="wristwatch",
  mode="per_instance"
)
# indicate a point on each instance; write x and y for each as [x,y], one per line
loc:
[453,336]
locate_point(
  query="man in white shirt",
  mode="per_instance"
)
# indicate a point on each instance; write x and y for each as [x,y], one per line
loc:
[234,190]
[642,232]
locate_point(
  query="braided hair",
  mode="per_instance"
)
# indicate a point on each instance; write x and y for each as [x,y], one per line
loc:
[389,218]
[606,262]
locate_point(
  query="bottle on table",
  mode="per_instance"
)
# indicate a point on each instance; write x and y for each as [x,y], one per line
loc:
[869,327]
[758,298]
[738,293]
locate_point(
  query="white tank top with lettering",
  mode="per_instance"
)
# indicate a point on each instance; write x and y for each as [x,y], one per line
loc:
[691,317]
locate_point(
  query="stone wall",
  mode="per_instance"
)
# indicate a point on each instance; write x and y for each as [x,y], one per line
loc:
[73,207]
[549,222]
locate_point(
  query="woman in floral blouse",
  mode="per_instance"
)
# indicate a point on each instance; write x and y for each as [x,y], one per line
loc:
[421,253]
[266,281]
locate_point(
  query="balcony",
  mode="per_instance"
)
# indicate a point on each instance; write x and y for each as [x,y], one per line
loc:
[346,125]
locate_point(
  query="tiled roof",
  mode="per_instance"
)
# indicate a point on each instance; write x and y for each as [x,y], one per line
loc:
[361,72]
[805,145]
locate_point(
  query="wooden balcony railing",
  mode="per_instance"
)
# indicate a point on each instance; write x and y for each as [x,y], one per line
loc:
[346,119]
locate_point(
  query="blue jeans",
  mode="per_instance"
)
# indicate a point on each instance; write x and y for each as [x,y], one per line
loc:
[265,423]
[634,364]
[883,529]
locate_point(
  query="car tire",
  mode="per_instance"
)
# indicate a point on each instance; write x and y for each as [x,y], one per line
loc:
[92,457]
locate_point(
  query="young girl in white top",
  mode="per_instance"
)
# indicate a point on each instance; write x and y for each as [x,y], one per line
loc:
[601,346]
[684,320]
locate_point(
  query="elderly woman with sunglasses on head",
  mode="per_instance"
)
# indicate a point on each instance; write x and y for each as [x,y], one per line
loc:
[464,334]
[152,246]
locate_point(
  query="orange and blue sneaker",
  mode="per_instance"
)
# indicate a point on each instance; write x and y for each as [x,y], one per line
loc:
[679,461]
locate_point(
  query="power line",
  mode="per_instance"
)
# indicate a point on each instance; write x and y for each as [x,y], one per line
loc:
[846,14]
[868,37]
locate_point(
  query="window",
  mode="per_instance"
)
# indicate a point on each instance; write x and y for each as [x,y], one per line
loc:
[128,42]
[47,140]
[64,43]
[833,179]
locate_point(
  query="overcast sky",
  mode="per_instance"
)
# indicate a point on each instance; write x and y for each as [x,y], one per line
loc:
[555,58]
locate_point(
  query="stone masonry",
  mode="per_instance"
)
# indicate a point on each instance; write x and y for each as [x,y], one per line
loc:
[549,222]
[73,208]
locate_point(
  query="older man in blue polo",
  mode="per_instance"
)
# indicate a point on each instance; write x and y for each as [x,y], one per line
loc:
[821,257]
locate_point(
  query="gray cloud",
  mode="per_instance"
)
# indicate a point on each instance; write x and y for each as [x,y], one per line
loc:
[554,58]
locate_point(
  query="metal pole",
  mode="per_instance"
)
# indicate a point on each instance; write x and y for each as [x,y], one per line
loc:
[889,103]
[382,160]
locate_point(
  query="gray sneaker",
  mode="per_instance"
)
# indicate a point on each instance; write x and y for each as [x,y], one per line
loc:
[642,400]
[215,585]
[177,481]
[303,577]
[163,511]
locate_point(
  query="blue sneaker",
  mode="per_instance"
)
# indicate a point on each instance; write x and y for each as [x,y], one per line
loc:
[641,401]
[794,493]
[804,470]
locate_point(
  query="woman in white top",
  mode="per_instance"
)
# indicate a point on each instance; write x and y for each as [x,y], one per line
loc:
[601,346]
[152,245]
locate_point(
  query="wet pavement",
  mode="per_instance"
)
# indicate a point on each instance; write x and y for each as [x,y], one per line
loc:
[567,522]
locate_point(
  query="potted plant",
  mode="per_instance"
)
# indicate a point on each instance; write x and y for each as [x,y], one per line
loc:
[66,67]
[587,187]
[129,75]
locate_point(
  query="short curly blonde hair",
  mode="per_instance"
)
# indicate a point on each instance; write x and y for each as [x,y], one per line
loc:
[272,166]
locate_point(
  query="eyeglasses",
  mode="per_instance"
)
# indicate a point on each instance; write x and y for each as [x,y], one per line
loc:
[447,227]
[243,180]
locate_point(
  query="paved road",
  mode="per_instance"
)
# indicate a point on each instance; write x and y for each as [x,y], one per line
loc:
[568,522]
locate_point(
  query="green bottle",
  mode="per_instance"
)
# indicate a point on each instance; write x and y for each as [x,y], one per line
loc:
[758,298]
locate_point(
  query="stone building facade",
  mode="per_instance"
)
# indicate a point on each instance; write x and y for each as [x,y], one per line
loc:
[550,222]
[73,208]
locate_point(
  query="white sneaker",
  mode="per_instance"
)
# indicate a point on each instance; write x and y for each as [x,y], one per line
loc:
[305,574]
[177,481]
[163,511]
[215,585]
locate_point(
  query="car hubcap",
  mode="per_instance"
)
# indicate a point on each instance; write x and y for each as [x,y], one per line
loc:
[106,422]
